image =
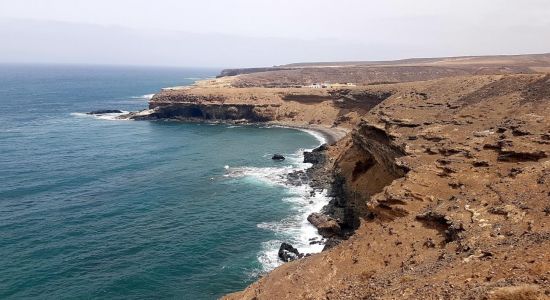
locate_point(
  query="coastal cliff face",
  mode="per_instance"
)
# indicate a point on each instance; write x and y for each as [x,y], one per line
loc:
[447,184]
[212,112]
[234,72]
[441,188]
[293,106]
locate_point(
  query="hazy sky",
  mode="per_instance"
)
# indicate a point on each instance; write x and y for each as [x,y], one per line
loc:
[262,32]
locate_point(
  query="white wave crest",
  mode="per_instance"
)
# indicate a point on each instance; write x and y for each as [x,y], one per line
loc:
[111,116]
[294,229]
[303,200]
[316,134]
[320,137]
[267,175]
[146,97]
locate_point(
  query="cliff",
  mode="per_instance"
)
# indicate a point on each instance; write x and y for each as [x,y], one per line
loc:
[441,189]
[234,72]
[447,182]
[293,106]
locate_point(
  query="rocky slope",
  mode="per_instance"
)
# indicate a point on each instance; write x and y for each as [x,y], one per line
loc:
[448,182]
[441,189]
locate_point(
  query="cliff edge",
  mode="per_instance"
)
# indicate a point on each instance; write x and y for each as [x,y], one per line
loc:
[444,179]
[450,182]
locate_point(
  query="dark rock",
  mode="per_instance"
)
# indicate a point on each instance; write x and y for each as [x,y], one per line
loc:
[331,243]
[316,156]
[327,226]
[515,172]
[288,253]
[520,132]
[450,229]
[277,157]
[104,111]
[485,254]
[297,178]
[480,163]
[456,185]
[519,156]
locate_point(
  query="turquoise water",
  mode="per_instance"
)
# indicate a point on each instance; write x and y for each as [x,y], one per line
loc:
[98,208]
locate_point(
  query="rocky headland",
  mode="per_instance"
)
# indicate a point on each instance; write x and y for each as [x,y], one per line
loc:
[439,171]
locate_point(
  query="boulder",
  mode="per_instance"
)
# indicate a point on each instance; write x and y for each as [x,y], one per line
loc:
[288,253]
[326,226]
[277,157]
[316,156]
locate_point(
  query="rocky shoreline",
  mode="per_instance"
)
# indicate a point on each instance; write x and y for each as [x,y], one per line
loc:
[438,187]
[320,176]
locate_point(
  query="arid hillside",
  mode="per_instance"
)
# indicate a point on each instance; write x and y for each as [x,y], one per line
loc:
[450,182]
[441,187]
[408,70]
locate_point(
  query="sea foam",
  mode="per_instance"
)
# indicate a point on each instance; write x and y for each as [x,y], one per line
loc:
[111,116]
[302,199]
[146,97]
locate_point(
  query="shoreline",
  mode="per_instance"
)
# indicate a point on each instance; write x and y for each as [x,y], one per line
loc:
[331,135]
[325,136]
[304,242]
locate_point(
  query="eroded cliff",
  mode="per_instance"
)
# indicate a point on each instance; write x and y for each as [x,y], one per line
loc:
[294,106]
[447,184]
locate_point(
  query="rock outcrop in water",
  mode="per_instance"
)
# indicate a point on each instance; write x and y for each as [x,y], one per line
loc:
[104,111]
[277,157]
[288,253]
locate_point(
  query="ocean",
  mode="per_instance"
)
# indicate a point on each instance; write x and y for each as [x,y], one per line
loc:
[94,207]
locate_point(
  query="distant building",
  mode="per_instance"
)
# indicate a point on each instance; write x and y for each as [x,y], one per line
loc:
[339,85]
[325,85]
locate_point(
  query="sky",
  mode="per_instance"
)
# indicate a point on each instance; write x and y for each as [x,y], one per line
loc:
[246,33]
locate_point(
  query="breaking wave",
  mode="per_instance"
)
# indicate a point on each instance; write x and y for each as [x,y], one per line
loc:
[302,199]
[146,96]
[111,116]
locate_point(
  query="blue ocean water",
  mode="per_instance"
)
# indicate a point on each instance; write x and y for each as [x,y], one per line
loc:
[100,208]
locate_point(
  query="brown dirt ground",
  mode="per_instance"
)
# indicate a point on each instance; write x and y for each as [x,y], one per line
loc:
[448,172]
[471,217]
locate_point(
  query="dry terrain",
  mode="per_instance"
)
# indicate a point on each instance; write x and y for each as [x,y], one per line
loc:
[450,180]
[444,176]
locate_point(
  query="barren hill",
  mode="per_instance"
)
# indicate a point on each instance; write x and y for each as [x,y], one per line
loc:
[442,187]
[407,70]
